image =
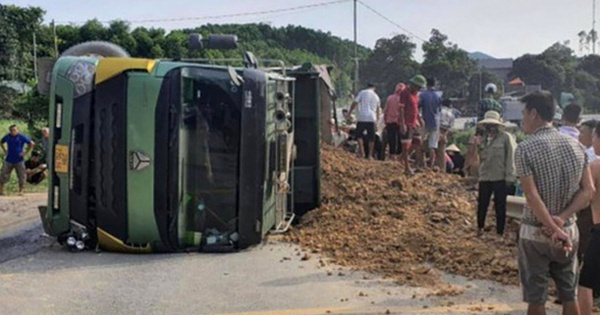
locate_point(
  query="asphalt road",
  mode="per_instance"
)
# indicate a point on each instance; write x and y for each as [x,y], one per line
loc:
[37,276]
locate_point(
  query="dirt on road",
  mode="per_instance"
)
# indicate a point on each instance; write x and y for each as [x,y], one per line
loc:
[375,219]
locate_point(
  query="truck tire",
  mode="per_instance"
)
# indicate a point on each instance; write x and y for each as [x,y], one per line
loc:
[99,48]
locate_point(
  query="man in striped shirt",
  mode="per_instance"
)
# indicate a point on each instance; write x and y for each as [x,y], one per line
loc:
[367,104]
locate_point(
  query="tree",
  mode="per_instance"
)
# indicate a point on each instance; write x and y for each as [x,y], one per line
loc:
[294,45]
[118,33]
[447,63]
[391,62]
[92,30]
[550,68]
[68,35]
[587,41]
[16,41]
[591,65]
[17,26]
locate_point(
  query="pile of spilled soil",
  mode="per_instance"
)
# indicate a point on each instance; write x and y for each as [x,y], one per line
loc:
[375,219]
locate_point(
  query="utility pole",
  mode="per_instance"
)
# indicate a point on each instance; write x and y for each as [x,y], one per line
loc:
[594,27]
[480,86]
[35,73]
[55,39]
[355,53]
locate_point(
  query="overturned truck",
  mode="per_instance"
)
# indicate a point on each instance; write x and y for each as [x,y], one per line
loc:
[167,155]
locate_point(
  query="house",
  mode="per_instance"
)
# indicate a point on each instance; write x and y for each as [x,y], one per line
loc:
[501,67]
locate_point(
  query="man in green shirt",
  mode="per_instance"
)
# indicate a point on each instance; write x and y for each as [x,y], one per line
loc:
[489,103]
[497,169]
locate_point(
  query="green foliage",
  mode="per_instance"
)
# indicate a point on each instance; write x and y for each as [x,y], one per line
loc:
[587,40]
[520,136]
[449,64]
[558,70]
[461,138]
[7,97]
[391,62]
[17,27]
[294,45]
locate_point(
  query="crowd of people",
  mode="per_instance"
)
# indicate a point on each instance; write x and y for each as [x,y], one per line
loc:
[555,167]
[16,147]
[414,125]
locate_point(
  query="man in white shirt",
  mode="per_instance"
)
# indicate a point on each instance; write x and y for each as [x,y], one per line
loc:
[570,119]
[586,131]
[367,104]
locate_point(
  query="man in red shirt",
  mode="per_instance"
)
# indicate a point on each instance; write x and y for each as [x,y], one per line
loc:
[409,114]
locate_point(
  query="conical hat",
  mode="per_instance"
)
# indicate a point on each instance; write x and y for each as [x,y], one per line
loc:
[453,148]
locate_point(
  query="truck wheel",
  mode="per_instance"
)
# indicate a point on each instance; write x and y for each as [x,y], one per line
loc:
[99,48]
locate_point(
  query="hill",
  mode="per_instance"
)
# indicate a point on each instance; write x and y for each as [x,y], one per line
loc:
[477,55]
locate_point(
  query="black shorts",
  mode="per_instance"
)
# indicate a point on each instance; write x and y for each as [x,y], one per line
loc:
[407,137]
[590,273]
[363,126]
[35,178]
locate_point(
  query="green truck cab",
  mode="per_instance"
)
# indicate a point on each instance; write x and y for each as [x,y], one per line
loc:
[162,156]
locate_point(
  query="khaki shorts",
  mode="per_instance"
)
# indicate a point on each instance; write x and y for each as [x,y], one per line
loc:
[539,260]
[433,137]
[7,169]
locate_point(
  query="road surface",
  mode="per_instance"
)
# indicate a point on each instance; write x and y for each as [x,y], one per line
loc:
[37,276]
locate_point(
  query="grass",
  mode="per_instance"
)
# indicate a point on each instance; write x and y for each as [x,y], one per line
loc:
[12,186]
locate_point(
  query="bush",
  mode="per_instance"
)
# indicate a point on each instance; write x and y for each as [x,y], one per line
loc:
[32,106]
[461,138]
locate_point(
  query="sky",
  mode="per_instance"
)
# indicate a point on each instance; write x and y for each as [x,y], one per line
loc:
[502,29]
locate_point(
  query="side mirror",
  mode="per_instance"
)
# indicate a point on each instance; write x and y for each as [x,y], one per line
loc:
[250,60]
[195,42]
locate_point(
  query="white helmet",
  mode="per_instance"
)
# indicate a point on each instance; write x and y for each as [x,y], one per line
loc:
[490,88]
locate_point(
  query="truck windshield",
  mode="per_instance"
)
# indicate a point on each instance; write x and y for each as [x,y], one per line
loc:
[209,138]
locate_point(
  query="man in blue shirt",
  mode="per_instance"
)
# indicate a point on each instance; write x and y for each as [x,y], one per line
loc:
[430,104]
[14,157]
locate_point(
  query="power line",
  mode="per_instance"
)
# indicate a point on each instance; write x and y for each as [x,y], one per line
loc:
[212,17]
[392,22]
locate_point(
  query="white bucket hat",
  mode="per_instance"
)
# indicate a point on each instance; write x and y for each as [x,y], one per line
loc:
[491,117]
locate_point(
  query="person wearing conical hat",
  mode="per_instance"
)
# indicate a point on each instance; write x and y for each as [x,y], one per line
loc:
[458,160]
[496,170]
